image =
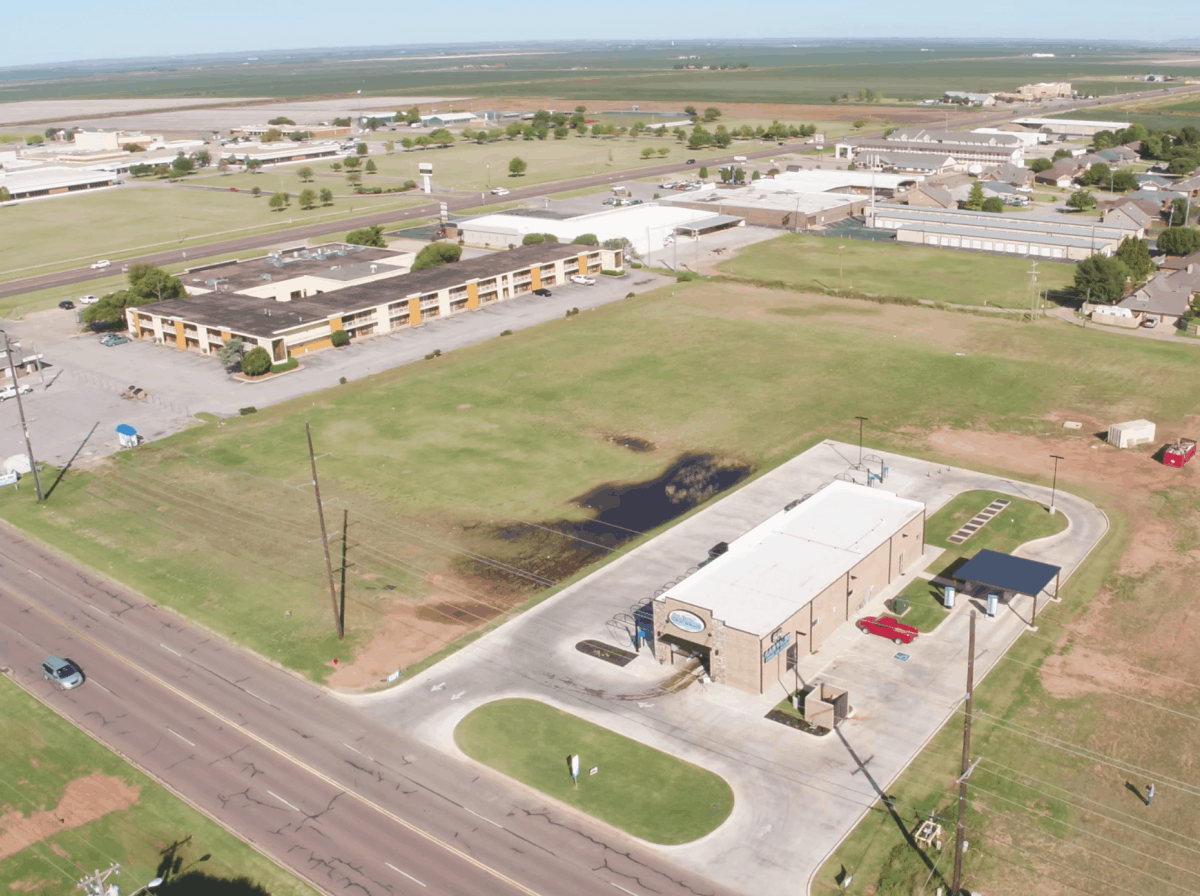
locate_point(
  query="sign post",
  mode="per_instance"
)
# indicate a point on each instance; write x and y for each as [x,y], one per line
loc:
[575,770]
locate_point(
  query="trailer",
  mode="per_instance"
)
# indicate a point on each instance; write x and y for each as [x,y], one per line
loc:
[1180,452]
[1135,432]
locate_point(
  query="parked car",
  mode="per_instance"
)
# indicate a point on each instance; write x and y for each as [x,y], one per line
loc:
[62,672]
[88,300]
[1150,322]
[888,627]
[608,201]
[66,305]
[499,191]
[582,280]
[114,339]
[1024,189]
[544,293]
[103,263]
[691,161]
[11,391]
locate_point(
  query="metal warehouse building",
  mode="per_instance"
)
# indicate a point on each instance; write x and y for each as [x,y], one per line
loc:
[776,593]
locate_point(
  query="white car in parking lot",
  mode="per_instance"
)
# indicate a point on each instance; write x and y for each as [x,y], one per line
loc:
[11,391]
[88,300]
[96,265]
[582,280]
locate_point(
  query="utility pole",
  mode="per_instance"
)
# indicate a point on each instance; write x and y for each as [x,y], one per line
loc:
[12,370]
[860,420]
[961,829]
[337,618]
[95,883]
[1032,288]
[345,535]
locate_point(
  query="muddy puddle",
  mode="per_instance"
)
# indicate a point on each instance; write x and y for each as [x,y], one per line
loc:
[529,556]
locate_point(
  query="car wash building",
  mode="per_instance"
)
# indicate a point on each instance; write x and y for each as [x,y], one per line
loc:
[772,596]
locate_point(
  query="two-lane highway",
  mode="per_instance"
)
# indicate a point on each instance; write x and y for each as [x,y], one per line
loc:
[323,790]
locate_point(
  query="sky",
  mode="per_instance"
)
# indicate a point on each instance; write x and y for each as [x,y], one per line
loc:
[68,30]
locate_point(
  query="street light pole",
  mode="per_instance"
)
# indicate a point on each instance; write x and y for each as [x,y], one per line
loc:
[840,248]
[1054,484]
[12,369]
[860,436]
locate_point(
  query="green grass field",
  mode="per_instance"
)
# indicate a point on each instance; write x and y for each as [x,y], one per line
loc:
[892,270]
[42,754]
[925,611]
[1020,522]
[216,522]
[532,743]
[61,234]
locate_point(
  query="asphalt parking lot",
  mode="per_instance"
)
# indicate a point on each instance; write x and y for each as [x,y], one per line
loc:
[797,796]
[83,380]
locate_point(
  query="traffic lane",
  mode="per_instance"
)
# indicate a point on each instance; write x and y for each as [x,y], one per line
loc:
[482,813]
[302,823]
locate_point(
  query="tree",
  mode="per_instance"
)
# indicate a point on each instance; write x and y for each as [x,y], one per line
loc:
[712,113]
[1081,200]
[993,204]
[690,111]
[579,110]
[351,162]
[256,361]
[1103,140]
[703,172]
[202,158]
[561,133]
[1135,255]
[354,178]
[326,196]
[274,135]
[1179,241]
[1124,181]
[975,201]
[1037,166]
[517,167]
[1179,212]
[308,198]
[374,124]
[435,255]
[441,136]
[182,164]
[1101,279]
[370,167]
[647,152]
[336,166]
[367,236]
[361,149]
[663,151]
[407,142]
[1060,154]
[413,116]
[1098,174]
[305,174]
[152,284]
[586,239]
[5,196]
[533,239]
[278,201]
[281,120]
[256,191]
[390,146]
[339,339]
[1185,164]
[859,124]
[230,352]
[341,122]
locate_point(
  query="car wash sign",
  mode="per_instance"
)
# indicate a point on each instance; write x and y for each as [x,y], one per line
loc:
[777,648]
[688,622]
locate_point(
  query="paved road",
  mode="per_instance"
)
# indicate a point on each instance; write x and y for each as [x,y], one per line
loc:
[346,803]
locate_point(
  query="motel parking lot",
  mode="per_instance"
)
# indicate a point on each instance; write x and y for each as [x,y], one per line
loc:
[83,380]
[797,796]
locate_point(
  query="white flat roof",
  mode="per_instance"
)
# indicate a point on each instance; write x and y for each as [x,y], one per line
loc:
[784,562]
[824,181]
[767,195]
[1076,122]
[637,223]
[50,178]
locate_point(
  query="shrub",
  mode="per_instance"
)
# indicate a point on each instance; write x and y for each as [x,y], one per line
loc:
[246,411]
[289,364]
[686,276]
[506,333]
[608,273]
[436,353]
[630,295]
[435,255]
[256,362]
[342,380]
[340,338]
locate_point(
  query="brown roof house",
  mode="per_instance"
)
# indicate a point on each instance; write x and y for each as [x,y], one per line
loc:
[1008,173]
[1061,175]
[1167,296]
[1131,216]
[931,197]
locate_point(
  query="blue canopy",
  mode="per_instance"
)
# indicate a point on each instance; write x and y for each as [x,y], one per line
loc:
[124,429]
[1007,572]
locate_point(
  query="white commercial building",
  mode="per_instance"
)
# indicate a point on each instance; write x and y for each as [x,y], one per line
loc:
[1071,127]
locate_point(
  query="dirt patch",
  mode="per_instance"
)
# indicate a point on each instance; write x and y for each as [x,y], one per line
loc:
[83,801]
[1085,671]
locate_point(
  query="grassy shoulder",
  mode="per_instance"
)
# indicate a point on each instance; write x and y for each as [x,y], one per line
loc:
[892,270]
[533,743]
[46,758]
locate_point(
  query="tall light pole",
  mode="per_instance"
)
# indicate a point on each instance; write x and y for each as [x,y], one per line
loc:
[840,248]
[860,420]
[12,369]
[1054,483]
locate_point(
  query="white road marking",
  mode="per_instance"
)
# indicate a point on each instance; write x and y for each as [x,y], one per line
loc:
[413,879]
[457,696]
[282,800]
[622,889]
[101,687]
[181,737]
[165,647]
[359,752]
[488,820]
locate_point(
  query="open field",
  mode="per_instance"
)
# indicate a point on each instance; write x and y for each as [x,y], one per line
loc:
[77,807]
[531,742]
[64,233]
[893,270]
[437,462]
[1165,118]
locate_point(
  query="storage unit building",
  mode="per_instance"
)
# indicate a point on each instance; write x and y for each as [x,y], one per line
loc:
[1135,432]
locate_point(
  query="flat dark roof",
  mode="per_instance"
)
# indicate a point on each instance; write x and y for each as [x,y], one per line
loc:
[1007,572]
[335,262]
[267,317]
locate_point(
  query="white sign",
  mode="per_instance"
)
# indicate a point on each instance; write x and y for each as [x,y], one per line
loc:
[595,768]
[819,138]
[688,622]
[395,676]
[8,479]
[425,167]
[574,766]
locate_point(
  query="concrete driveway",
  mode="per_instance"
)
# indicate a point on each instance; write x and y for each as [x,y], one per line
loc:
[797,796]
[83,380]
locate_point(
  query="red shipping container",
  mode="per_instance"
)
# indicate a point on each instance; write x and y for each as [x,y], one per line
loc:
[1180,453]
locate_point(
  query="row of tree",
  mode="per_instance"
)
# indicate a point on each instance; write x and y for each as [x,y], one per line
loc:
[145,285]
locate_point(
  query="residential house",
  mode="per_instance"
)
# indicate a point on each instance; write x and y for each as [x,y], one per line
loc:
[926,196]
[969,99]
[1009,173]
[1191,186]
[1131,216]
[1167,296]
[1118,155]
[1150,207]
[1178,262]
[1062,174]
[1153,182]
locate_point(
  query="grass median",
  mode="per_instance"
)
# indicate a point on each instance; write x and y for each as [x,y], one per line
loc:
[636,788]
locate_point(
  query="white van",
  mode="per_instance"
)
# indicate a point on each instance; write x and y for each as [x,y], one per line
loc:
[740,160]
